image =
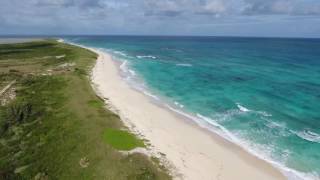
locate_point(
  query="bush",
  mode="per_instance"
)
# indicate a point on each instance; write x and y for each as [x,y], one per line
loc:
[14,113]
[4,125]
[79,71]
[19,112]
[7,174]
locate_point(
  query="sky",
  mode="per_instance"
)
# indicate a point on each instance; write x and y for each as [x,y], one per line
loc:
[275,18]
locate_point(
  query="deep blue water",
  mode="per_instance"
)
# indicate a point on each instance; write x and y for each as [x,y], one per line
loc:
[261,93]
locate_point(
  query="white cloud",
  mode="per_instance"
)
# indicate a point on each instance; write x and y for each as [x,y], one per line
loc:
[148,16]
[215,7]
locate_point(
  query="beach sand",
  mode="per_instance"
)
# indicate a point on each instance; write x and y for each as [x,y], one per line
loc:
[194,152]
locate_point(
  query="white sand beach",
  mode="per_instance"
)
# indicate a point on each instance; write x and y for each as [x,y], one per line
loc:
[195,153]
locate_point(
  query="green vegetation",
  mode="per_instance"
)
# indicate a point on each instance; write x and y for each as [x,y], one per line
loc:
[121,140]
[56,127]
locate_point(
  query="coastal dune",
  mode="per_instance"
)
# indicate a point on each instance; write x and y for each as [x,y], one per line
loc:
[194,152]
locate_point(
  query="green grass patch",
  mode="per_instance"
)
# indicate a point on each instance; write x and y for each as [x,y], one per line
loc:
[95,103]
[121,140]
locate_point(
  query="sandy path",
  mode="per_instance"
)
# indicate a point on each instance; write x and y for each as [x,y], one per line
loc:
[7,87]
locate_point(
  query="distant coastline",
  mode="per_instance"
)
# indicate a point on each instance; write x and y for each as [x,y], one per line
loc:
[13,40]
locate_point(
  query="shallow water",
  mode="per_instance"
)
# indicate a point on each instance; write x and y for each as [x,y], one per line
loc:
[261,93]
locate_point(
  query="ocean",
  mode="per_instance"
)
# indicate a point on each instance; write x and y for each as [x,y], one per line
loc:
[260,93]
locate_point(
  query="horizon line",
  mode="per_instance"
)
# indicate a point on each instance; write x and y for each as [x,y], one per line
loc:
[153,35]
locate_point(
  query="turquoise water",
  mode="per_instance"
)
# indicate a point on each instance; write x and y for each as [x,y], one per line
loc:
[263,94]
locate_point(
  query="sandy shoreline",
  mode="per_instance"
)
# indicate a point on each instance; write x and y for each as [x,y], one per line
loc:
[194,152]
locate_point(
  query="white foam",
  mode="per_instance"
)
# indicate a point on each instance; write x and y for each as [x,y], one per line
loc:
[184,64]
[148,56]
[127,73]
[120,53]
[132,72]
[308,135]
[277,125]
[123,66]
[173,49]
[178,104]
[263,113]
[224,132]
[151,95]
[242,108]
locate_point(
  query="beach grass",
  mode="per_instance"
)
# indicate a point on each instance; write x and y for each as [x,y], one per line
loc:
[121,140]
[56,127]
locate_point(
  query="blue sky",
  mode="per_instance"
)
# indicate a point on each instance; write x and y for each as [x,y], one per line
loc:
[293,18]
